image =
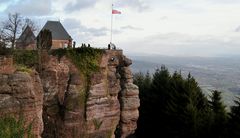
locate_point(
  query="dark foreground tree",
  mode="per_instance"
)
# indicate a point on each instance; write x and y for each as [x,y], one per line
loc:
[172,106]
[144,83]
[234,121]
[44,43]
[44,40]
[219,115]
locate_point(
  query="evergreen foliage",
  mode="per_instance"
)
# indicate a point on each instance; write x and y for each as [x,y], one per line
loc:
[144,83]
[175,107]
[219,115]
[234,121]
[44,39]
[216,104]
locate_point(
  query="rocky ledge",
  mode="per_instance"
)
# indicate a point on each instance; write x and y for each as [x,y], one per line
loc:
[62,103]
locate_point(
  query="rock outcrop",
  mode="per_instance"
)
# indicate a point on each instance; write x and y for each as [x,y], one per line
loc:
[102,105]
[129,103]
[21,95]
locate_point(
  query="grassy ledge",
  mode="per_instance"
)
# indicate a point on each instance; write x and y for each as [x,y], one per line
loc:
[12,128]
[86,59]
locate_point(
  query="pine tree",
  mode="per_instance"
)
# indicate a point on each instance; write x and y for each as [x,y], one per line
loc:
[187,106]
[234,121]
[151,97]
[216,103]
[219,115]
[172,106]
[147,82]
[144,83]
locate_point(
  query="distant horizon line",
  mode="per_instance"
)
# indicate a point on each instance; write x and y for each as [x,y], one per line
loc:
[131,54]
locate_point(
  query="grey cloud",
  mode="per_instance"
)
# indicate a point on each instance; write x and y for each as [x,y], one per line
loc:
[79,5]
[71,24]
[184,39]
[129,27]
[177,44]
[31,7]
[137,4]
[76,28]
[97,32]
[237,29]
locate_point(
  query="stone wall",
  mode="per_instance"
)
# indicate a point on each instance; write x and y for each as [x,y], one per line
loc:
[60,44]
[55,45]
[30,46]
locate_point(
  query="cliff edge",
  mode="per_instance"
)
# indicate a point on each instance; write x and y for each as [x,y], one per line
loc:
[73,95]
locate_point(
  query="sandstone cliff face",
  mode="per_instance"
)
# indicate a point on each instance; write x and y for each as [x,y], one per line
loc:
[21,94]
[107,106]
[104,105]
[129,102]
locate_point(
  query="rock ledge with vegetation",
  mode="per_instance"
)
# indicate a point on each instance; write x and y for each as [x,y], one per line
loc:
[82,92]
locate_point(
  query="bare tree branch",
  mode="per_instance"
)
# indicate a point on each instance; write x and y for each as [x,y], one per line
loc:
[15,25]
[11,27]
[31,24]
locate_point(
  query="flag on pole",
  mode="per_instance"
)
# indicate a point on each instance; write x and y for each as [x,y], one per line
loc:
[116,12]
[113,12]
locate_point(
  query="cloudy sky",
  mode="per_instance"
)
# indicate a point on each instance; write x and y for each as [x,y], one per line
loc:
[164,27]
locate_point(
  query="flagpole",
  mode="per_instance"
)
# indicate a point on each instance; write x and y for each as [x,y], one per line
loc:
[111,23]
